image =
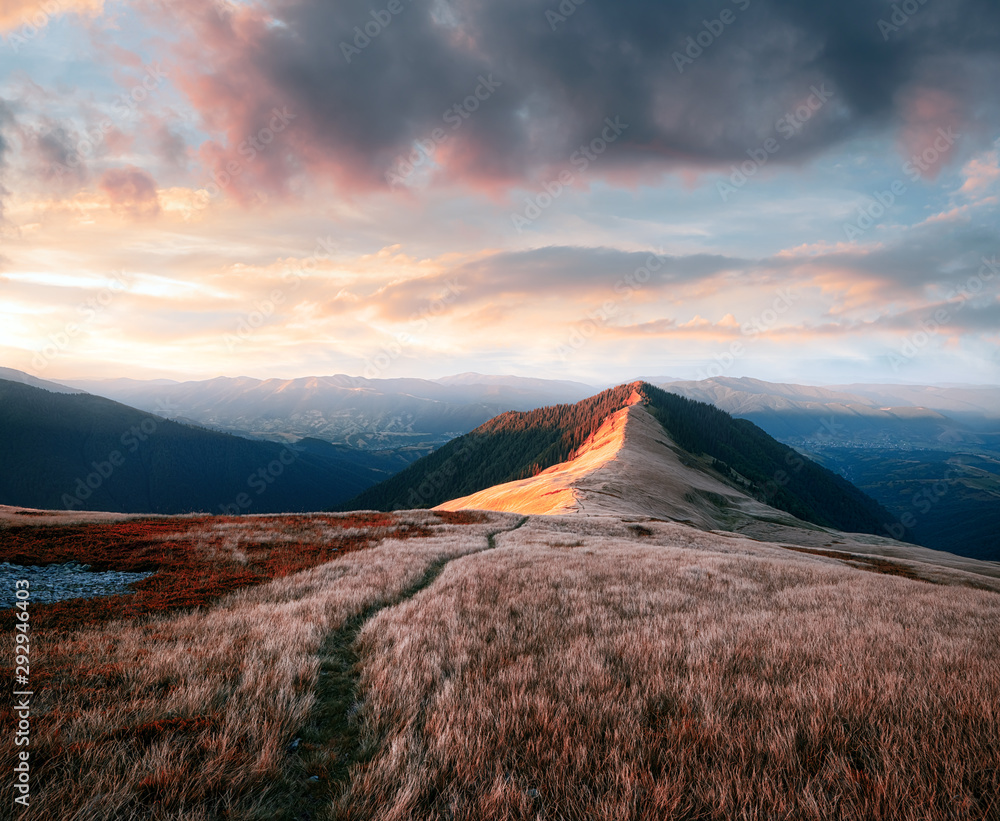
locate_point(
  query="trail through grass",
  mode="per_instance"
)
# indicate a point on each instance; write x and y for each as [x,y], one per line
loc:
[331,741]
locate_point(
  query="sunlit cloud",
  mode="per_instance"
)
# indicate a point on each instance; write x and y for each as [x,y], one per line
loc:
[276,208]
[26,17]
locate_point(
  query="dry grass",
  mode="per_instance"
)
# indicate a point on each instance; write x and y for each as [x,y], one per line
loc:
[631,679]
[601,669]
[188,715]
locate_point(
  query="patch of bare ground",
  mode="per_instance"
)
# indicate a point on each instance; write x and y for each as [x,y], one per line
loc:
[676,675]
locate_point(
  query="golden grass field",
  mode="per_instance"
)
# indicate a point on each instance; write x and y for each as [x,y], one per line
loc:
[556,668]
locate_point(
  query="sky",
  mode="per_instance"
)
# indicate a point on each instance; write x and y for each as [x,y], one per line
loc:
[575,189]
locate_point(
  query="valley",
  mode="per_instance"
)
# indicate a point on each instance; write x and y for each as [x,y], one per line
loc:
[356,443]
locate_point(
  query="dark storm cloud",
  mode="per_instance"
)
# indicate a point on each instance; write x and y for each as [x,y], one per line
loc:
[361,100]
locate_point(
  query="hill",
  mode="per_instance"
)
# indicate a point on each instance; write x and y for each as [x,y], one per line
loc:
[496,667]
[12,375]
[738,456]
[77,451]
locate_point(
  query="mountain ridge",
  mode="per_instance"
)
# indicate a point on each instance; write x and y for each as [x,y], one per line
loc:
[517,446]
[629,467]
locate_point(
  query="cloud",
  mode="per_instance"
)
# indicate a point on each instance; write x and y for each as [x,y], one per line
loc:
[569,274]
[28,16]
[981,174]
[361,100]
[928,114]
[131,192]
[169,145]
[961,316]
[6,127]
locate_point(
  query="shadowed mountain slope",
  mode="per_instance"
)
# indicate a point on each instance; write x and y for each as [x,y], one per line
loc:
[701,464]
[76,451]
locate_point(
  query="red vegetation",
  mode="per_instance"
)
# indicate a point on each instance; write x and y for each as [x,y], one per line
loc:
[461,517]
[192,566]
[194,562]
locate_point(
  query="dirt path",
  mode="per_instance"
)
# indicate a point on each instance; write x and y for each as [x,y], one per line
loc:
[330,742]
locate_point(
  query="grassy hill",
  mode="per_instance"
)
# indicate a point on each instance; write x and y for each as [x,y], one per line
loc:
[516,445]
[76,451]
[493,667]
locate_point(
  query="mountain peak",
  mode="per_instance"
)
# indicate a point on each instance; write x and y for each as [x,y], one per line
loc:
[683,460]
[636,397]
[629,466]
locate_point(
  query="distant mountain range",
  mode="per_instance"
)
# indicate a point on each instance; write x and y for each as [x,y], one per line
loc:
[360,413]
[742,461]
[886,415]
[930,455]
[77,451]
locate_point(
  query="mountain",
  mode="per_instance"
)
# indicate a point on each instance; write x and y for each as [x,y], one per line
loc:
[799,413]
[929,455]
[79,451]
[556,389]
[970,403]
[361,413]
[976,400]
[23,378]
[709,468]
[627,467]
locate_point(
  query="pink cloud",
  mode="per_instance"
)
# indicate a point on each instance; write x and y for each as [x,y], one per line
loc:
[981,173]
[932,122]
[131,192]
